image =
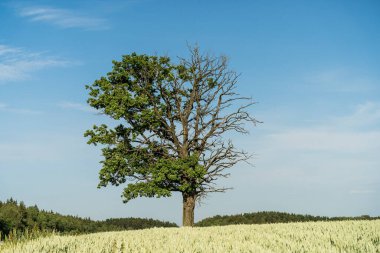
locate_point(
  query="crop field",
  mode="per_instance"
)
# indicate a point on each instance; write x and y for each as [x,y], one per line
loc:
[339,236]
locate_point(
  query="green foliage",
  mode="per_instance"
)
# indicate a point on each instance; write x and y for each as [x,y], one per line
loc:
[166,177]
[270,217]
[20,222]
[136,223]
[134,93]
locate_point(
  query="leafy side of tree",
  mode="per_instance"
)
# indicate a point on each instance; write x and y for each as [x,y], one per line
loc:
[171,122]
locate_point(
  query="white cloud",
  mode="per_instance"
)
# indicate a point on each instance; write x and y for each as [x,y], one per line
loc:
[62,18]
[327,140]
[77,106]
[17,64]
[365,115]
[341,154]
[7,50]
[354,133]
[28,148]
[361,191]
[10,109]
[341,80]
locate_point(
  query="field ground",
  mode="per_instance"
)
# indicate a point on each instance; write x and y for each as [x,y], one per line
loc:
[337,236]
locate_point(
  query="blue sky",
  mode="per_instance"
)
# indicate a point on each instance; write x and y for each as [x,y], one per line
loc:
[312,66]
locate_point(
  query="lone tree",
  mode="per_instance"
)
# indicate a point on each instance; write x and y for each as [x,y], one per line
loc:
[171,119]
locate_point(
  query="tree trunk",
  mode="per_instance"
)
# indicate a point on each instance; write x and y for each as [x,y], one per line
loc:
[188,210]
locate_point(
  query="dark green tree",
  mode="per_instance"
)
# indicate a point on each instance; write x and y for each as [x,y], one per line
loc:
[170,122]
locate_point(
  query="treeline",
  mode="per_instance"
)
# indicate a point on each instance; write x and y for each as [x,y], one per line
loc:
[270,217]
[16,218]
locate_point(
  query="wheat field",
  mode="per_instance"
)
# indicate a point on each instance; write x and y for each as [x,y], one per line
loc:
[337,236]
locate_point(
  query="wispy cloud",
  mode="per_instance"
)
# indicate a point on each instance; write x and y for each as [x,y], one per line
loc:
[10,109]
[361,191]
[17,64]
[8,50]
[365,115]
[354,133]
[341,80]
[339,155]
[321,140]
[77,106]
[63,18]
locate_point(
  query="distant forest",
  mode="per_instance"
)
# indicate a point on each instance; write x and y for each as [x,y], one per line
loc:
[271,217]
[15,218]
